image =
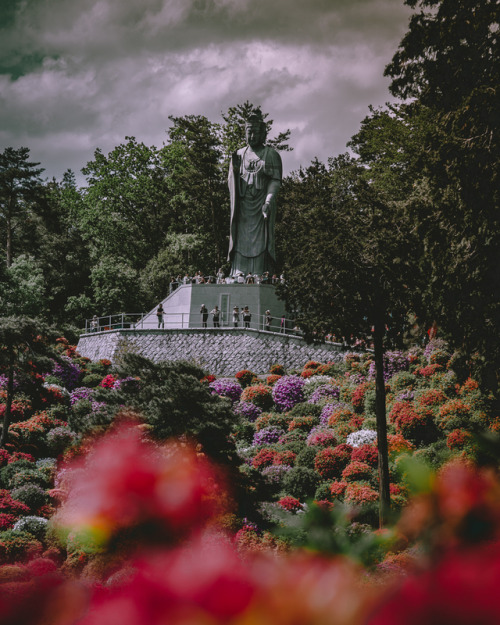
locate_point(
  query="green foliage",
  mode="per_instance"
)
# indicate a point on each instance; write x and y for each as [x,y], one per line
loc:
[174,402]
[305,409]
[306,457]
[23,292]
[301,482]
[32,495]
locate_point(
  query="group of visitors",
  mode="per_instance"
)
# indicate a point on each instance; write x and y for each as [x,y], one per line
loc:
[220,278]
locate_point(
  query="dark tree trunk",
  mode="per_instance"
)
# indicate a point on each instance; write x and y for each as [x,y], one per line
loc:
[8,405]
[383,455]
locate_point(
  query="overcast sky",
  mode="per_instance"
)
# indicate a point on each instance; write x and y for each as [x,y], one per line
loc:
[80,74]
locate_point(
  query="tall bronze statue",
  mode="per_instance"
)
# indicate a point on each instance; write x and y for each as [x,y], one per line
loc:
[255,173]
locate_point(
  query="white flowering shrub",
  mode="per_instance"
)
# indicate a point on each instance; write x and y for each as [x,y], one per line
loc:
[361,437]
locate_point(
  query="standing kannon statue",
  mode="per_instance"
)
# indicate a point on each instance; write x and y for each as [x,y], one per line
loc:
[255,173]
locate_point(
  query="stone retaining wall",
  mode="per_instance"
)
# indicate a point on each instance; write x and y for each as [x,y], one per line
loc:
[221,351]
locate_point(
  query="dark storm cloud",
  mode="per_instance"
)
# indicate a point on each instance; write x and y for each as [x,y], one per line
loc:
[82,74]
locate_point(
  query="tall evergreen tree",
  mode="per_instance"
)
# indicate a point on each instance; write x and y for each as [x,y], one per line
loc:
[19,182]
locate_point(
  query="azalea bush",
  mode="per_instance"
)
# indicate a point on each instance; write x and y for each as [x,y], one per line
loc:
[287,392]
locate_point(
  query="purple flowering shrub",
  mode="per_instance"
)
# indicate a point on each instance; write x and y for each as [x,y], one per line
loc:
[326,391]
[68,372]
[227,387]
[82,392]
[329,409]
[267,436]
[275,473]
[288,391]
[247,410]
[394,362]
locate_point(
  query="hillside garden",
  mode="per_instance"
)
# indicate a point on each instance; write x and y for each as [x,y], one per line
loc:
[164,493]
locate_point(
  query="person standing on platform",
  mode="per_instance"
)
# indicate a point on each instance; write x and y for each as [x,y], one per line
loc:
[159,314]
[204,315]
[236,316]
[267,321]
[247,316]
[216,316]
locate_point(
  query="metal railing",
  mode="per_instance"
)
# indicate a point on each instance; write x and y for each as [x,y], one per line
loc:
[171,321]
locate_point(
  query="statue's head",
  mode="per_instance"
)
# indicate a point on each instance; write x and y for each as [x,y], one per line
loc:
[255,128]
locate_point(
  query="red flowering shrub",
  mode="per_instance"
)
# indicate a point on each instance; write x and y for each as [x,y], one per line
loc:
[7,521]
[431,397]
[260,395]
[207,379]
[429,371]
[360,494]
[246,377]
[304,424]
[343,415]
[307,373]
[126,483]
[19,455]
[330,462]
[33,430]
[399,496]
[357,471]
[4,457]
[285,457]
[18,547]
[469,386]
[272,379]
[280,420]
[416,425]
[277,370]
[458,439]
[19,409]
[9,505]
[338,488]
[454,414]
[397,444]
[366,453]
[358,397]
[264,458]
[461,589]
[108,381]
[291,504]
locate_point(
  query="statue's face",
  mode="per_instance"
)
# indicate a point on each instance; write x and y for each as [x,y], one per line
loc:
[255,134]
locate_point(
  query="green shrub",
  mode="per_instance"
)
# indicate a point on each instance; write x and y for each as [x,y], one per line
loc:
[8,471]
[305,409]
[92,380]
[323,492]
[32,495]
[402,381]
[301,482]
[306,457]
[370,397]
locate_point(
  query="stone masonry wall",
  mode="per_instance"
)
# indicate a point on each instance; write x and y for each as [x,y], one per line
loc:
[221,351]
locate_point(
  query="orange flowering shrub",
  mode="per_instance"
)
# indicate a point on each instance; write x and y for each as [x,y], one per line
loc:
[259,394]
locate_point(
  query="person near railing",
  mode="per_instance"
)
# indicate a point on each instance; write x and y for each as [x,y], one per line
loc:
[220,276]
[159,314]
[204,315]
[247,317]
[267,321]
[215,312]
[236,316]
[283,325]
[94,324]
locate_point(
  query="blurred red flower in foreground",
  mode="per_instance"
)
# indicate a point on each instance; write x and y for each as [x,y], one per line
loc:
[461,589]
[126,483]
